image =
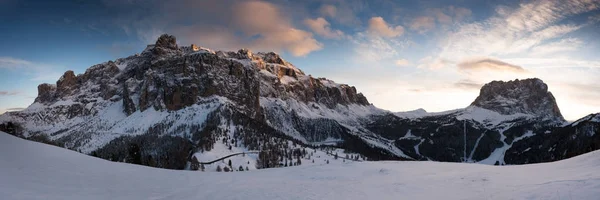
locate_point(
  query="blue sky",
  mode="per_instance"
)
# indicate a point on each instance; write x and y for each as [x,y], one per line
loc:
[402,55]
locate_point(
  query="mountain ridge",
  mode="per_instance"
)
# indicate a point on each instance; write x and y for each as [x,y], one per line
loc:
[171,101]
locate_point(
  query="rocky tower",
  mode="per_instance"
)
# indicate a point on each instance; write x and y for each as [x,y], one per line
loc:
[527,96]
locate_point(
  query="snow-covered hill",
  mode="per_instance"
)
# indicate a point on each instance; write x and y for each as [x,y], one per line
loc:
[30,170]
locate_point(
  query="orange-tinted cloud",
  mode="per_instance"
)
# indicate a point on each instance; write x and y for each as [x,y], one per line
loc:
[321,27]
[379,27]
[262,25]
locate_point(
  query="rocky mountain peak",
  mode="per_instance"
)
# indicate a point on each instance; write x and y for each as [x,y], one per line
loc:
[165,45]
[167,41]
[527,96]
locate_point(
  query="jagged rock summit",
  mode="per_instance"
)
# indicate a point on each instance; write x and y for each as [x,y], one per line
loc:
[527,96]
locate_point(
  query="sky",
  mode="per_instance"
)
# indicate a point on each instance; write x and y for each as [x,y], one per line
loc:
[403,55]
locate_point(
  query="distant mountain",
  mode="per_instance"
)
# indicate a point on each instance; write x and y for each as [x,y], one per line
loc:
[169,104]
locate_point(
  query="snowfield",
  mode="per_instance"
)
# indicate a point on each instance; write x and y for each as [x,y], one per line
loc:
[30,170]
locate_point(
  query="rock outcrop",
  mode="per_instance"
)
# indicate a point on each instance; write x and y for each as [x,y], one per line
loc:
[528,96]
[66,84]
[46,93]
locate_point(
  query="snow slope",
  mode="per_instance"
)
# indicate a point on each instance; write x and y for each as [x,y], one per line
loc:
[30,170]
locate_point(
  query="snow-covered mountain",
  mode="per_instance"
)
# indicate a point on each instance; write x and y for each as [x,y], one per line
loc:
[170,105]
[508,123]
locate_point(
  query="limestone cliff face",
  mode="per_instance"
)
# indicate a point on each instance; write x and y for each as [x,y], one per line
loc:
[528,96]
[166,77]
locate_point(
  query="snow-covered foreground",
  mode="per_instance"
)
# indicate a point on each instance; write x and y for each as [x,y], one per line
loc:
[30,170]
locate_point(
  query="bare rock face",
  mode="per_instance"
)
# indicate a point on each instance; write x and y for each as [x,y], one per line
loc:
[245,54]
[272,57]
[528,96]
[167,41]
[166,45]
[194,47]
[128,105]
[67,83]
[46,93]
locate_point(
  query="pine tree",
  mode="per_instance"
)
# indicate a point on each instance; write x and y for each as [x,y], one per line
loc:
[226,169]
[230,164]
[241,169]
[247,168]
[219,168]
[202,167]
[194,165]
[327,161]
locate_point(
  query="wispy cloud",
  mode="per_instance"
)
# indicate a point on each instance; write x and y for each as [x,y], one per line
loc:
[13,63]
[561,46]
[402,62]
[37,71]
[321,27]
[467,85]
[371,48]
[482,64]
[328,10]
[9,93]
[343,12]
[424,24]
[514,31]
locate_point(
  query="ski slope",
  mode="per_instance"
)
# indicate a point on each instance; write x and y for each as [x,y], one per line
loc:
[30,170]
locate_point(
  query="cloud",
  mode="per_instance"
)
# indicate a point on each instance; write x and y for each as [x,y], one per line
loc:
[442,17]
[37,71]
[343,12]
[467,85]
[9,93]
[12,63]
[371,48]
[556,62]
[459,13]
[321,27]
[422,24]
[379,27]
[257,25]
[272,29]
[450,14]
[430,62]
[402,62]
[514,31]
[328,10]
[539,14]
[489,64]
[564,45]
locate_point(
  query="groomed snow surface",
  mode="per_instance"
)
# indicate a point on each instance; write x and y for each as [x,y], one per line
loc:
[30,170]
